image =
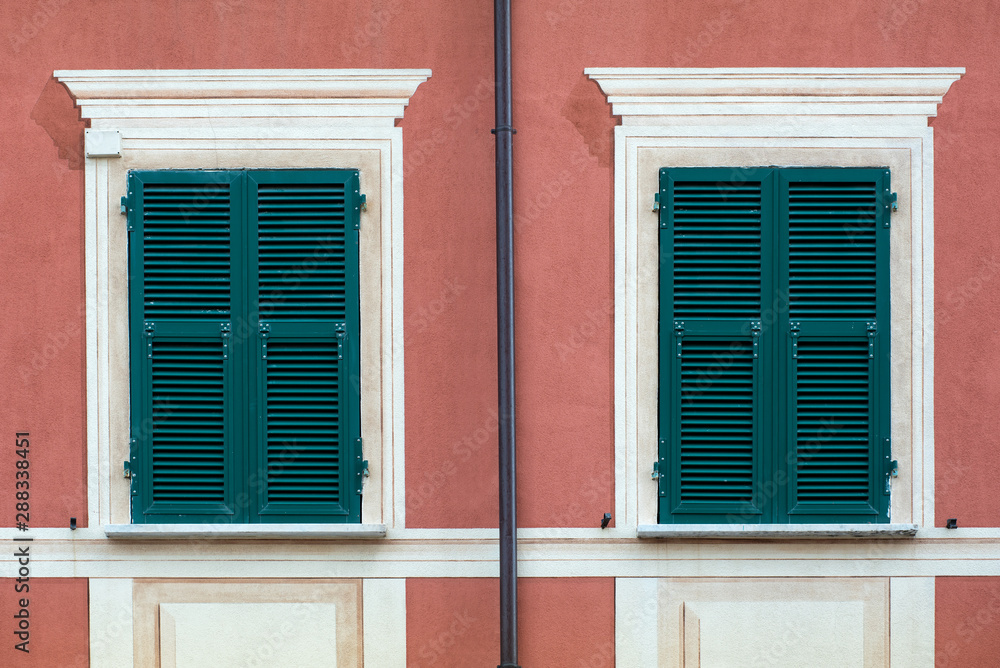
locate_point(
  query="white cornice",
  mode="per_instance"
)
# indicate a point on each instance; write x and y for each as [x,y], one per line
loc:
[115,99]
[652,96]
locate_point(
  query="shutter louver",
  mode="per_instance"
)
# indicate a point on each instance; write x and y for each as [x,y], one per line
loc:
[302,250]
[303,447]
[307,295]
[717,421]
[833,426]
[186,250]
[188,422]
[832,232]
[717,258]
[711,242]
[182,274]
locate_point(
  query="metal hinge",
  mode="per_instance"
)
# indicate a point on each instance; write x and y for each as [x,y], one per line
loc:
[656,202]
[891,206]
[124,211]
[362,206]
[795,328]
[656,471]
[755,330]
[131,466]
[363,471]
[679,331]
[872,331]
[341,341]
[891,465]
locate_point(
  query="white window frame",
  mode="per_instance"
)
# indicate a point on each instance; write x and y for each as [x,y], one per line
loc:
[745,117]
[231,119]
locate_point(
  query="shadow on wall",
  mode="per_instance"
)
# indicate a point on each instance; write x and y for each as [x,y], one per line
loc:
[588,110]
[57,114]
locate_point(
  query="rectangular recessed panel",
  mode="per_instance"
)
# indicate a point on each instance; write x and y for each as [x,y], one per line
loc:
[303,421]
[717,249]
[188,431]
[302,249]
[833,423]
[831,247]
[716,421]
[186,250]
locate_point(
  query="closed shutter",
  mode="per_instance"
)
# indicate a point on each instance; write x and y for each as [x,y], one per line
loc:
[712,227]
[182,266]
[307,385]
[774,345]
[835,244]
[244,326]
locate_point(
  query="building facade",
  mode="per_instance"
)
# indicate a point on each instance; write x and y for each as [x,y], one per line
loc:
[250,343]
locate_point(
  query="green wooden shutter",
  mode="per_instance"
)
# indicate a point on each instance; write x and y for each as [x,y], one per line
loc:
[304,286]
[713,229]
[834,227]
[184,264]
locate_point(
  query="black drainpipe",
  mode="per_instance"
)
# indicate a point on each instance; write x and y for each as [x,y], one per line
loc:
[505,337]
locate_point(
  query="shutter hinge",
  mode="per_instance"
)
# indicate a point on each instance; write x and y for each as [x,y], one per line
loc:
[872,331]
[891,465]
[149,329]
[225,329]
[363,471]
[264,330]
[795,330]
[660,469]
[362,207]
[124,210]
[679,331]
[891,206]
[656,202]
[131,468]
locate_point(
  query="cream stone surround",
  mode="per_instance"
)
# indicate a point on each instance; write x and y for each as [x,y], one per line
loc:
[739,117]
[218,119]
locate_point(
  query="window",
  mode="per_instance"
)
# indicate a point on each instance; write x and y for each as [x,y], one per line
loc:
[244,310]
[802,117]
[773,352]
[235,120]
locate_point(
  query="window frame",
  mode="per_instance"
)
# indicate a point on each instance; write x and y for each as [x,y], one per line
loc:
[734,117]
[243,119]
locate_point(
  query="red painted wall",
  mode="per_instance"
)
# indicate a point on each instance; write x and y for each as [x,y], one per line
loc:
[562,622]
[967,620]
[58,629]
[563,200]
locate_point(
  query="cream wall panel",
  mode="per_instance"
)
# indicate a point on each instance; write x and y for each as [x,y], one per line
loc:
[110,623]
[911,629]
[385,623]
[237,635]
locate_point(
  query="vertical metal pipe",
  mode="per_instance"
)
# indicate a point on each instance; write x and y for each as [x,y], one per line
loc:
[505,336]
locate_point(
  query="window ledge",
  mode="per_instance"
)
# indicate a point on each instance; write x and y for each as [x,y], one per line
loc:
[243,531]
[777,531]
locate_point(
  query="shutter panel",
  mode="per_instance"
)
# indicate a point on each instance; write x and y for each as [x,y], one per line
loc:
[713,226]
[834,243]
[182,300]
[305,288]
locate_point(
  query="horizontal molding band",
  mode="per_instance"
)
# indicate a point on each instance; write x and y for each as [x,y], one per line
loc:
[777,531]
[415,553]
